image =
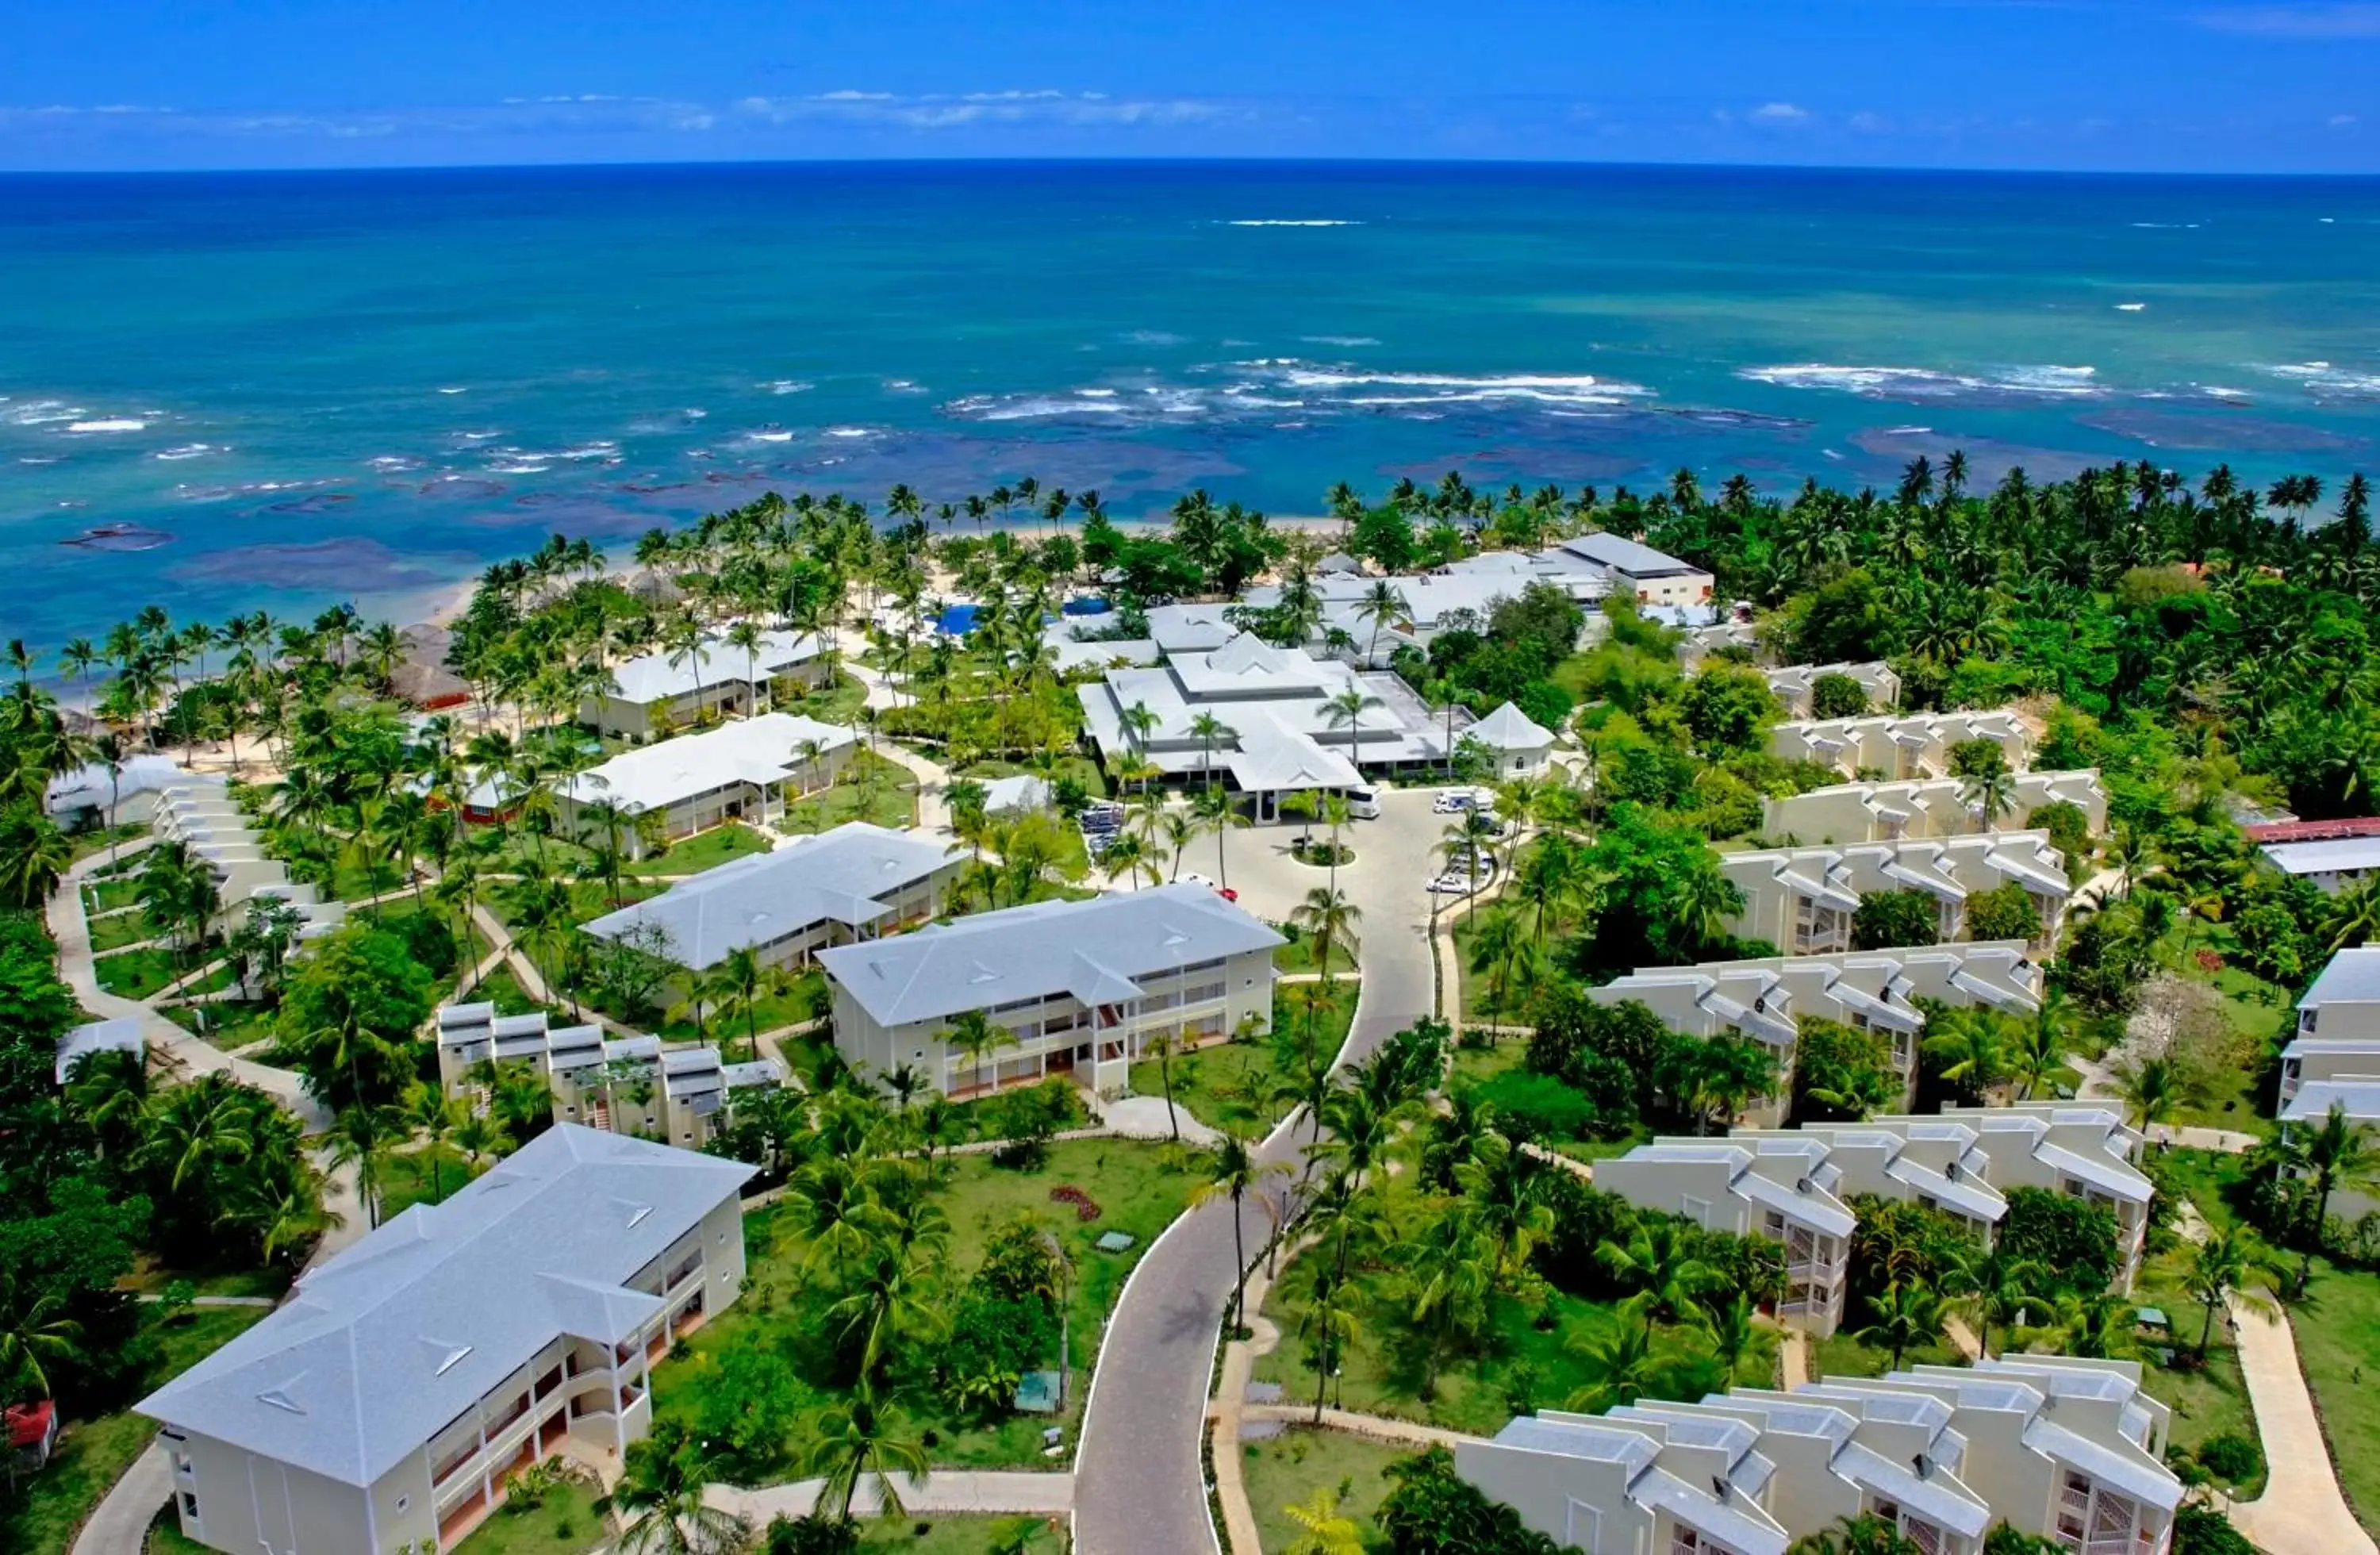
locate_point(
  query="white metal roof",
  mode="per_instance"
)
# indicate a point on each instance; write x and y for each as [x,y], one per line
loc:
[2352,977]
[1093,950]
[760,750]
[120,1035]
[377,1350]
[2339,856]
[843,876]
[658,677]
[1508,728]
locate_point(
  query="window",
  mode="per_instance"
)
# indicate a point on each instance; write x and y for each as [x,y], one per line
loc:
[189,1507]
[404,1505]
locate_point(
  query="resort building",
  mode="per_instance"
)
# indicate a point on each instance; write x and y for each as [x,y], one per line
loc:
[855,882]
[659,692]
[1795,1185]
[388,1402]
[1521,745]
[1592,566]
[1289,721]
[2067,1449]
[1760,1000]
[744,770]
[1771,1185]
[627,1084]
[201,813]
[2334,1059]
[1883,812]
[1077,988]
[2333,854]
[1802,899]
[1899,746]
[112,795]
[1796,686]
[121,1035]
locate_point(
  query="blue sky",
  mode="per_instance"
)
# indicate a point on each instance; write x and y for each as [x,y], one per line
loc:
[2116,84]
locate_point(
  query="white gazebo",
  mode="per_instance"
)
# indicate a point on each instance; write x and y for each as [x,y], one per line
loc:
[1520,745]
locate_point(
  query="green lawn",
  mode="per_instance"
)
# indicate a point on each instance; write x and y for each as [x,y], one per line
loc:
[564,1523]
[1474,1065]
[1138,1188]
[225,1026]
[118,929]
[407,1179]
[889,802]
[836,702]
[1478,988]
[92,1455]
[1298,957]
[502,989]
[104,895]
[155,1278]
[947,1535]
[1517,1366]
[2338,1338]
[137,974]
[99,838]
[1842,1355]
[784,1007]
[2209,1400]
[704,850]
[1288,1468]
[1229,1085]
[165,1537]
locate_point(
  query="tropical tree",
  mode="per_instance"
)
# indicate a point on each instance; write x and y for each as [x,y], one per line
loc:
[976,1036]
[1232,1172]
[1331,919]
[1660,1266]
[854,1444]
[2219,1271]
[658,1499]
[2335,1153]
[1906,1315]
[1320,1528]
[33,1329]
[1329,1316]
[360,1139]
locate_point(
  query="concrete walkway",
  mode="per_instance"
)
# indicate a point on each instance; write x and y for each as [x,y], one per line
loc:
[120,1526]
[2302,1507]
[1141,1489]
[77,971]
[951,1491]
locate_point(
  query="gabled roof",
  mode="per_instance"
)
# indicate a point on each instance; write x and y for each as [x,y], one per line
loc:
[1093,950]
[843,876]
[656,677]
[2352,976]
[377,1350]
[1619,553]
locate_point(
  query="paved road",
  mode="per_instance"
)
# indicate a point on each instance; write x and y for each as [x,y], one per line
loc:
[1140,1483]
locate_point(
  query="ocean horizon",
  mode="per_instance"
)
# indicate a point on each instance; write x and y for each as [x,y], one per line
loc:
[225,392]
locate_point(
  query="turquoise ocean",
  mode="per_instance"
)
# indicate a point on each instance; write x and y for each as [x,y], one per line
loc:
[279,390]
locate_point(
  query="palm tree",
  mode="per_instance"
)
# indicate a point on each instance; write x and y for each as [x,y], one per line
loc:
[1990,794]
[854,1443]
[1321,1530]
[2152,1088]
[1658,1264]
[1329,1317]
[2098,1327]
[476,1136]
[1908,1315]
[1449,1269]
[108,1091]
[1217,813]
[658,1499]
[741,983]
[34,854]
[1346,711]
[2000,1290]
[1232,1171]
[2218,1271]
[1616,1369]
[2039,1051]
[1160,1048]
[975,1034]
[361,1138]
[1497,947]
[431,1113]
[1967,1050]
[2336,1153]
[32,1331]
[1331,919]
[1209,732]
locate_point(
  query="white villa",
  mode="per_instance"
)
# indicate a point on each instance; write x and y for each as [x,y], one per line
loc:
[392,1397]
[1802,899]
[1900,744]
[1795,1185]
[623,1084]
[746,770]
[201,813]
[661,691]
[1759,1000]
[1520,745]
[2063,1449]
[1878,812]
[1081,988]
[857,882]
[102,795]
[2334,1059]
[1794,686]
[1591,566]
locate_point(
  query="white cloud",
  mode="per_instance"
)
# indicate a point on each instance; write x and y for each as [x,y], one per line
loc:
[1779,113]
[845,94]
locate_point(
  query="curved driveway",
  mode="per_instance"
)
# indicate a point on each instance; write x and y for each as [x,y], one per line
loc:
[1140,1475]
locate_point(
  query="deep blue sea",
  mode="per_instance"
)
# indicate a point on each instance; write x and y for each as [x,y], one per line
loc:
[302,387]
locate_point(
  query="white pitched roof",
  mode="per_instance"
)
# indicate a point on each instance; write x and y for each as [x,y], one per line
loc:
[839,877]
[756,750]
[1508,728]
[1092,950]
[655,678]
[120,1035]
[377,1350]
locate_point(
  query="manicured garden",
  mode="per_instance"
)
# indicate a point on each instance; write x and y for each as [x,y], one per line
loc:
[1291,1468]
[870,788]
[1237,1085]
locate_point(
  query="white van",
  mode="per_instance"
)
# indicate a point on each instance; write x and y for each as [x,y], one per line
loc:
[1364,804]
